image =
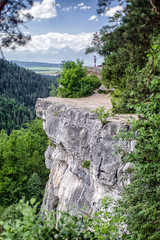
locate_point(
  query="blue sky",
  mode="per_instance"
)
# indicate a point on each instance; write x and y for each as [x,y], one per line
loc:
[61,30]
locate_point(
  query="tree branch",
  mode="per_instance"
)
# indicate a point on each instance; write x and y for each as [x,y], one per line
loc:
[2,53]
[154,7]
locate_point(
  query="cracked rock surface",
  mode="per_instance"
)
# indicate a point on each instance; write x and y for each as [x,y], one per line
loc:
[77,137]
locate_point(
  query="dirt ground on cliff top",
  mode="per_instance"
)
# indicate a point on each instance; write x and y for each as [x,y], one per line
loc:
[92,102]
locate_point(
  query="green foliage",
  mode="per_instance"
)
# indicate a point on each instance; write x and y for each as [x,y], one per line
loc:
[60,225]
[19,90]
[13,115]
[31,226]
[132,60]
[107,224]
[23,171]
[102,114]
[86,164]
[23,85]
[138,83]
[54,90]
[141,199]
[9,214]
[74,81]
[34,187]
[114,69]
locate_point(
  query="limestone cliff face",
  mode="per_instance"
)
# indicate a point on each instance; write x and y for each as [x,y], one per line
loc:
[77,136]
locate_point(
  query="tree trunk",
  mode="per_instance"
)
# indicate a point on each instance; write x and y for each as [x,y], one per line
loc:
[154,7]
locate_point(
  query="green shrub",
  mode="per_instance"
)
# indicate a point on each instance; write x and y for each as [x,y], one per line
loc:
[33,226]
[9,214]
[75,83]
[86,164]
[102,114]
[29,225]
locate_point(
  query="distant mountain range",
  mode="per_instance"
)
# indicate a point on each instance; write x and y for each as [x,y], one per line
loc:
[36,64]
[53,55]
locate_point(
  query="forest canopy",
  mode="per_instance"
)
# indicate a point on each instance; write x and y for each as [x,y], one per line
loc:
[19,90]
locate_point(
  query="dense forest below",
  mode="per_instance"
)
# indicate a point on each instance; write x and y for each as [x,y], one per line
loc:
[36,64]
[22,139]
[19,90]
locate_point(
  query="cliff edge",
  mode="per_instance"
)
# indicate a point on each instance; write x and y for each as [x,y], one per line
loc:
[81,157]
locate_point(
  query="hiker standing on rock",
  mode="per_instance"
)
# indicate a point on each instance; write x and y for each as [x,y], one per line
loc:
[95,61]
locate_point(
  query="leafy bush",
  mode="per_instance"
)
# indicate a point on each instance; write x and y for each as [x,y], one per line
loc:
[102,114]
[60,225]
[33,226]
[74,81]
[9,214]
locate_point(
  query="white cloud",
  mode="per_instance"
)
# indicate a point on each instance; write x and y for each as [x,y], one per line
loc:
[80,4]
[85,7]
[58,5]
[59,41]
[66,9]
[93,18]
[112,11]
[46,9]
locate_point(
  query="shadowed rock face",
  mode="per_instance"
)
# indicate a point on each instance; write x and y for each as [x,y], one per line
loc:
[80,137]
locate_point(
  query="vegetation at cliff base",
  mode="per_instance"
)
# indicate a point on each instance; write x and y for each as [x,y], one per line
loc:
[25,222]
[74,82]
[22,167]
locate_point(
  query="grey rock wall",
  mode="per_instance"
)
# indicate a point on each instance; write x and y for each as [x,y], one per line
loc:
[79,137]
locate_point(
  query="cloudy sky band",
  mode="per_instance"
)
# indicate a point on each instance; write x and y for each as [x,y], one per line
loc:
[58,40]
[61,24]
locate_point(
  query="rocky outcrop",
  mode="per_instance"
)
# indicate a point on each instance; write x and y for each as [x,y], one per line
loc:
[94,70]
[78,137]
